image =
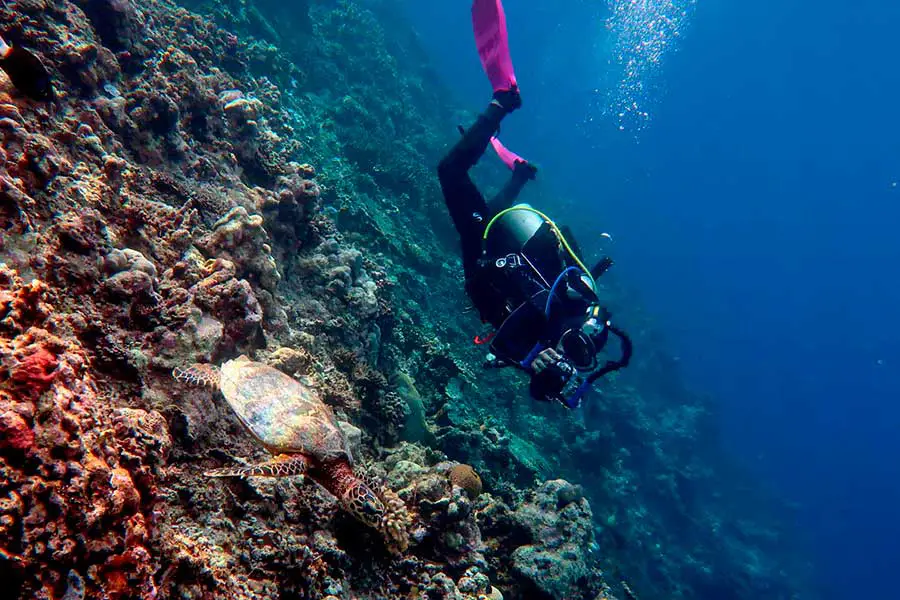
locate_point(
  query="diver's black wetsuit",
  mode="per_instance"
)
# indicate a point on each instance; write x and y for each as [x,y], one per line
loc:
[511,285]
[468,208]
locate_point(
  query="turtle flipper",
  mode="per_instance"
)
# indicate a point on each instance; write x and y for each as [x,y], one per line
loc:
[199,374]
[283,465]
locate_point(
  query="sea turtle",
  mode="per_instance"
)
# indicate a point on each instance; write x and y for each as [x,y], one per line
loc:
[290,420]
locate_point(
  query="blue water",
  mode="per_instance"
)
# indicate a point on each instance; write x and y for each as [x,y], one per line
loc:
[748,169]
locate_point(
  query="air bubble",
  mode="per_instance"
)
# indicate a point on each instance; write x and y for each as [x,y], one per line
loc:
[644,33]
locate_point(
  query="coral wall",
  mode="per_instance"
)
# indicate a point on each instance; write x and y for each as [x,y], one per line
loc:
[225,178]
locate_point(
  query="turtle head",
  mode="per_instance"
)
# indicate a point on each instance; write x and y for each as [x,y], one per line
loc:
[383,511]
[374,504]
[364,504]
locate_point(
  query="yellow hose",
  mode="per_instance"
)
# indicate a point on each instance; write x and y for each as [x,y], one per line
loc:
[555,230]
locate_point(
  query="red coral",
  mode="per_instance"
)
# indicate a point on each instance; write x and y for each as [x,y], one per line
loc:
[15,432]
[123,572]
[36,369]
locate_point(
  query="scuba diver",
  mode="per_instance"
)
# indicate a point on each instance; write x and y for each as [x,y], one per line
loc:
[523,273]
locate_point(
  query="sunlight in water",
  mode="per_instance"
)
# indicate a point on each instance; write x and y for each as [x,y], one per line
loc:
[642,33]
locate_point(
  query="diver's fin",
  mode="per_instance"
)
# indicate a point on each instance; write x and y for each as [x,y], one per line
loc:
[198,374]
[508,157]
[26,71]
[492,41]
[283,465]
[516,163]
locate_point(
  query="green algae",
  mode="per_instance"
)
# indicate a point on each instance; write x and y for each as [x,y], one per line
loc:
[415,428]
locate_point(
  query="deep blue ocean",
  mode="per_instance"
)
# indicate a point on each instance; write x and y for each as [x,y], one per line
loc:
[745,157]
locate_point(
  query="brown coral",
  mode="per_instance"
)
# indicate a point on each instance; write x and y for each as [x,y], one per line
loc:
[465,477]
[396,520]
[19,302]
[229,299]
[291,361]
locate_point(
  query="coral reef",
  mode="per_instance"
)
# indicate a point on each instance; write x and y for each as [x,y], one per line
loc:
[464,476]
[560,525]
[73,464]
[239,177]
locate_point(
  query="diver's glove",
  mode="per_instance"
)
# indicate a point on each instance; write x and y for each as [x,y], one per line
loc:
[524,171]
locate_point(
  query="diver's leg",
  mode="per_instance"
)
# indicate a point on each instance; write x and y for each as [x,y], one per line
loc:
[522,174]
[468,211]
[471,146]
[467,206]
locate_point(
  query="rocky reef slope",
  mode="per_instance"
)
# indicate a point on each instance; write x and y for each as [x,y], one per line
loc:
[224,178]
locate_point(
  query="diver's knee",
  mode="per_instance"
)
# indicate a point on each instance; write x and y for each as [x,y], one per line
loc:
[448,169]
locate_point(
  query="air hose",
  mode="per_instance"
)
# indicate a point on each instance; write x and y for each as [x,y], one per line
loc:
[554,287]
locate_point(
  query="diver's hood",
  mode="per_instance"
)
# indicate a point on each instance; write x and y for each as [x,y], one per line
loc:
[512,231]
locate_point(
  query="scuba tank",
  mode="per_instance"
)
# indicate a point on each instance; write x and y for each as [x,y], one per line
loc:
[512,231]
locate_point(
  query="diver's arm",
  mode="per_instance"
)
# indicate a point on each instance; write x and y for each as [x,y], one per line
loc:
[601,267]
[506,197]
[474,141]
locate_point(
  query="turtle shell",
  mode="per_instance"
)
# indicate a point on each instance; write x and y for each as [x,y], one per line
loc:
[282,413]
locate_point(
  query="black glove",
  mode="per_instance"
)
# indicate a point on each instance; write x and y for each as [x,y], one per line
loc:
[601,267]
